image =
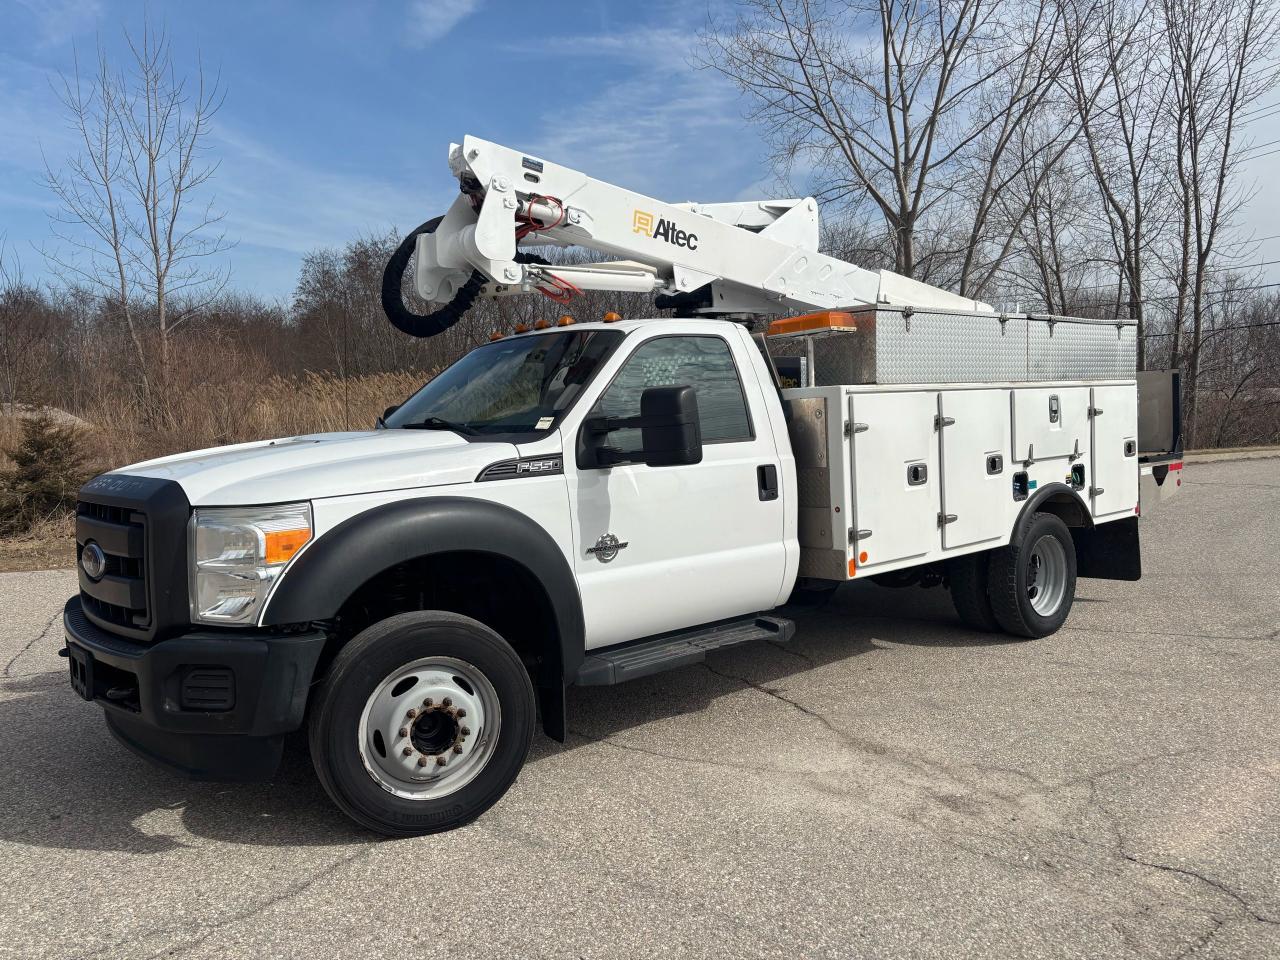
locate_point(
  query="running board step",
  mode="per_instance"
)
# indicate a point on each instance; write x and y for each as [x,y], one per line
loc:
[648,657]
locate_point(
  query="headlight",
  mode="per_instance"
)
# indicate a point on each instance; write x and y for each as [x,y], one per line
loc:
[236,555]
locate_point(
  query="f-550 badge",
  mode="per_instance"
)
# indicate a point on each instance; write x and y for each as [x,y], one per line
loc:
[606,548]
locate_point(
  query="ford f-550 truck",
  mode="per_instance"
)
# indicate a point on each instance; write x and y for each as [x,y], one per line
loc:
[586,503]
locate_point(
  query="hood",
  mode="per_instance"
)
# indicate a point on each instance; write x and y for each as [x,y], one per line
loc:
[323,465]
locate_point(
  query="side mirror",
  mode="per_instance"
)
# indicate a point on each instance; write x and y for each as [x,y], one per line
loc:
[670,433]
[382,420]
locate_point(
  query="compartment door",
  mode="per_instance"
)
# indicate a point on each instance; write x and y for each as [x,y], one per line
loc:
[1049,422]
[1114,484]
[976,480]
[894,455]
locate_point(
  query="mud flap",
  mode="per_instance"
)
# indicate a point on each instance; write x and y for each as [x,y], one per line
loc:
[1109,551]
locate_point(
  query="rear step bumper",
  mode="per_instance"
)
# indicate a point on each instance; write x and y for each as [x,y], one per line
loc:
[642,658]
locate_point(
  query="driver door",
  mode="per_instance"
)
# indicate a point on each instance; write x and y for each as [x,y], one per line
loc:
[664,548]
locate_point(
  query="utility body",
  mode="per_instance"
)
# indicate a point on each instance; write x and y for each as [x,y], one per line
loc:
[587,503]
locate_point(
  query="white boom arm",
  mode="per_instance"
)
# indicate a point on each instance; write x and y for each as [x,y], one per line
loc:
[756,256]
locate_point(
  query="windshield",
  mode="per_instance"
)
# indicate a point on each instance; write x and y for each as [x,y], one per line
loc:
[518,385]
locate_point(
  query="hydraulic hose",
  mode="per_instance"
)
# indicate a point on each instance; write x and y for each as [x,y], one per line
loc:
[440,320]
[423,324]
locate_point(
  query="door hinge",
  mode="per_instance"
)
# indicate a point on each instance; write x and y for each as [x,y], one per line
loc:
[940,421]
[1095,411]
[850,428]
[1096,491]
[945,518]
[856,535]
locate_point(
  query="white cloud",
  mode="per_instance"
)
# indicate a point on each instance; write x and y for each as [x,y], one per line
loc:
[60,20]
[429,20]
[275,201]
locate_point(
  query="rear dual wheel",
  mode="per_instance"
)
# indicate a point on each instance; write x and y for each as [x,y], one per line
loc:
[1025,589]
[422,723]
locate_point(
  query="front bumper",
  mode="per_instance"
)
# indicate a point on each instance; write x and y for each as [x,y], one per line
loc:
[206,704]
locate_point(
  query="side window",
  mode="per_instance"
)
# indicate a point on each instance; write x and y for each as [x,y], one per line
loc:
[704,363]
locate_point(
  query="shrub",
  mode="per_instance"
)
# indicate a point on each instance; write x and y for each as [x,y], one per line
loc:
[48,468]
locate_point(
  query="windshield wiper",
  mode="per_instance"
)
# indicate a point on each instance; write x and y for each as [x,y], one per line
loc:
[439,423]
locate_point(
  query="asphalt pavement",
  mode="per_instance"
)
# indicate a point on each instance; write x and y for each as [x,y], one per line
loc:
[888,785]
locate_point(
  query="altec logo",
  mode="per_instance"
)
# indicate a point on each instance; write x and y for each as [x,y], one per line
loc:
[642,222]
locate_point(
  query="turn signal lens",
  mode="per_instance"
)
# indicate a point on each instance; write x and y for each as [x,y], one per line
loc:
[281,545]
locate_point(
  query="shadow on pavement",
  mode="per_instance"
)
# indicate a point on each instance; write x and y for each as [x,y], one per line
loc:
[69,785]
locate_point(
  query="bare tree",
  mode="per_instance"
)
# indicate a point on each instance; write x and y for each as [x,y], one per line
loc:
[914,108]
[24,323]
[1221,55]
[1119,87]
[131,224]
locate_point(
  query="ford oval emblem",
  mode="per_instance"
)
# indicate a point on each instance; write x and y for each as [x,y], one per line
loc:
[93,561]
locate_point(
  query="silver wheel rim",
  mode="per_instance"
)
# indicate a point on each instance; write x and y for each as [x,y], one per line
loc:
[429,728]
[1047,575]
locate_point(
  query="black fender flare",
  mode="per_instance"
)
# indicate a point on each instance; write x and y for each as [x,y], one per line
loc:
[329,571]
[1039,497]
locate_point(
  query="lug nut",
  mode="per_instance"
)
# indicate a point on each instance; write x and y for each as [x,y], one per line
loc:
[457,748]
[448,702]
[408,751]
[422,761]
[440,760]
[462,713]
[427,702]
[466,731]
[404,731]
[411,714]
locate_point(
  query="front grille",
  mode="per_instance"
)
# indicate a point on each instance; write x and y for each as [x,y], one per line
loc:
[140,523]
[119,596]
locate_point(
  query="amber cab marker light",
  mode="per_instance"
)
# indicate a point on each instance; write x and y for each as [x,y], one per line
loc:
[612,317]
[283,544]
[522,328]
[542,324]
[565,321]
[496,335]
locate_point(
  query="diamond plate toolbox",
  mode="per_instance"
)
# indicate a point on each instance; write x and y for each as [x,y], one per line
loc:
[890,345]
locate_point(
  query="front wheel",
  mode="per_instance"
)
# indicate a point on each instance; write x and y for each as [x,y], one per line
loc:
[422,723]
[1032,582]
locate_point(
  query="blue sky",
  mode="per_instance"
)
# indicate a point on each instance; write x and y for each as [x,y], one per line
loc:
[338,115]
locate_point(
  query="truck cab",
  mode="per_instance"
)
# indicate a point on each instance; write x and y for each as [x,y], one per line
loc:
[557,492]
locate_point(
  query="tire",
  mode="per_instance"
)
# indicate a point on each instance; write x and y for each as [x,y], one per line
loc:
[967,578]
[1032,583]
[469,675]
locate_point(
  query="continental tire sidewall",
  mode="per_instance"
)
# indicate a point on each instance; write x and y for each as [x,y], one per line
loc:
[1008,580]
[364,663]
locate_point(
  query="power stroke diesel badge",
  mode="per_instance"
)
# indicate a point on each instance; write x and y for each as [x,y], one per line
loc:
[606,548]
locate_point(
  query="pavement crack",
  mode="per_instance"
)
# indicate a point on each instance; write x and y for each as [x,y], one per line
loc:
[43,634]
[284,896]
[786,648]
[698,761]
[865,746]
[1217,885]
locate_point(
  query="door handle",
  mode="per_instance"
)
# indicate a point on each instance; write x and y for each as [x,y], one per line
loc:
[767,481]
